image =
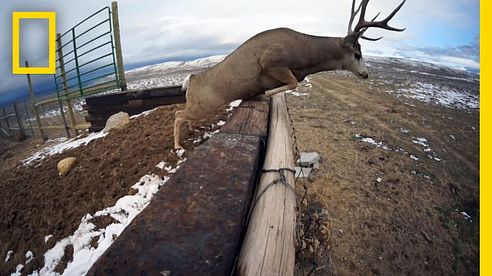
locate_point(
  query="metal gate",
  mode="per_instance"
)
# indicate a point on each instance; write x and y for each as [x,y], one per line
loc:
[86,62]
[89,61]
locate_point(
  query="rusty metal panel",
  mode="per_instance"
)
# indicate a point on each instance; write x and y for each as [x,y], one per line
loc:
[194,224]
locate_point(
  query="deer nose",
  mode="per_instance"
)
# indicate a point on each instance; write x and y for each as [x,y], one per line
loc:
[364,75]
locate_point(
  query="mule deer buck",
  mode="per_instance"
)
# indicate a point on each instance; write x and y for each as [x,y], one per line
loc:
[272,62]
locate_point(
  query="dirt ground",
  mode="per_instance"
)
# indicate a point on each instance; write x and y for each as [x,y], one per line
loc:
[373,209]
[35,202]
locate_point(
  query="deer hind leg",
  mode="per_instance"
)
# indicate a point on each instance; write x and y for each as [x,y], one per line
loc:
[284,75]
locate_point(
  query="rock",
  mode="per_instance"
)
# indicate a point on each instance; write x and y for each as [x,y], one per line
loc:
[66,165]
[309,159]
[117,121]
[306,163]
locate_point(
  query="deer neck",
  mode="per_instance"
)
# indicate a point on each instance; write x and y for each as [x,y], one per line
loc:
[325,55]
[330,51]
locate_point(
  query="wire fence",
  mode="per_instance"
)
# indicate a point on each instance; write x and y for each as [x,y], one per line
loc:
[87,64]
[17,118]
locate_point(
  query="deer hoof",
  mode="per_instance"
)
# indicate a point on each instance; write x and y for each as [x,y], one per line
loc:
[178,147]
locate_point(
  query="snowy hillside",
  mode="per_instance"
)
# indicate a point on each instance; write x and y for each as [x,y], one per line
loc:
[168,73]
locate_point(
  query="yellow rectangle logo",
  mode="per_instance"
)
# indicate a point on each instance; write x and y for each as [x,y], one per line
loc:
[16,17]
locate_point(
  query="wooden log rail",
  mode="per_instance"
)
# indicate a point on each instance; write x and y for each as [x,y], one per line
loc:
[100,108]
[195,223]
[269,245]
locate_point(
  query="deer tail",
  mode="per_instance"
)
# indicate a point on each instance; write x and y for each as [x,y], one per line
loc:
[186,83]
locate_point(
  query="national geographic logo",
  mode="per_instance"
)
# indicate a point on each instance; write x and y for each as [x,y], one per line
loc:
[16,17]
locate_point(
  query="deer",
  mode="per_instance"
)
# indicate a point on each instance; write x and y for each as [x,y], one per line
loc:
[272,62]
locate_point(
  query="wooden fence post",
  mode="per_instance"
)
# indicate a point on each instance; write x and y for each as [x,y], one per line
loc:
[65,88]
[28,117]
[19,121]
[33,103]
[117,44]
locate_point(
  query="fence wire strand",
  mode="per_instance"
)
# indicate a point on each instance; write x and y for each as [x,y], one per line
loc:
[301,179]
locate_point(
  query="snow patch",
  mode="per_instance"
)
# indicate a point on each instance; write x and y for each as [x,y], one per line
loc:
[440,95]
[209,134]
[163,166]
[371,141]
[29,256]
[233,105]
[413,157]
[180,152]
[9,254]
[18,270]
[47,238]
[299,94]
[144,113]
[61,147]
[380,144]
[426,148]
[402,130]
[124,211]
[466,215]
[77,107]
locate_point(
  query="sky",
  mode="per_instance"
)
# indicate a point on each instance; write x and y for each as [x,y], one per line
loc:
[440,31]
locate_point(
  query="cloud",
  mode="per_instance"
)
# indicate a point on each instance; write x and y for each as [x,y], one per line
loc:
[468,51]
[462,56]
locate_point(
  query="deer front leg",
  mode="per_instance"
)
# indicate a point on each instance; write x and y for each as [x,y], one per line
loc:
[277,90]
[178,122]
[284,75]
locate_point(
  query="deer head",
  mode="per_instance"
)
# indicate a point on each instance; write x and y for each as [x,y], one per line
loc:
[352,58]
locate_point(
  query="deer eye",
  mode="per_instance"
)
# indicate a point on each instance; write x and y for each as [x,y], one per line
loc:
[357,56]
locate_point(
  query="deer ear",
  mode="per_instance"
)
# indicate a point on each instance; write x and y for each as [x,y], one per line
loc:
[351,39]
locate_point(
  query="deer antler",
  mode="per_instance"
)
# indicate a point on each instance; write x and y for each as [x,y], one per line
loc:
[352,16]
[363,25]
